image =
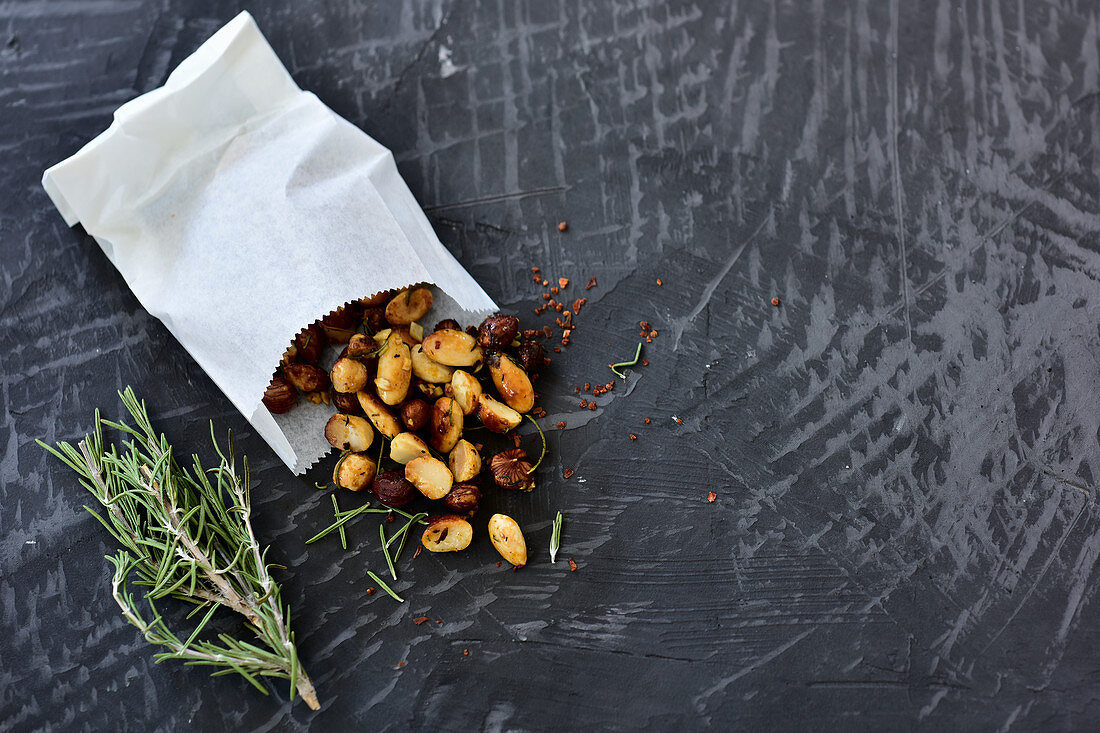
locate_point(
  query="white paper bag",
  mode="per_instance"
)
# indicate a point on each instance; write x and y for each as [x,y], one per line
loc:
[241,209]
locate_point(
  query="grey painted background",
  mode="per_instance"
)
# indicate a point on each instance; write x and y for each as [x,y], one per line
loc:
[905,452]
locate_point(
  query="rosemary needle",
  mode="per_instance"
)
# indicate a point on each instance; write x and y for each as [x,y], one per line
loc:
[555,539]
[336,512]
[637,355]
[386,550]
[365,509]
[385,587]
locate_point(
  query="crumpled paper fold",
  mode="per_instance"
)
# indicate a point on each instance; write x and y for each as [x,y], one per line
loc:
[240,209]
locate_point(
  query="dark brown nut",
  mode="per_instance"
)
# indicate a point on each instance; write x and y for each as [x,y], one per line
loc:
[347,403]
[361,347]
[447,323]
[512,383]
[280,396]
[374,320]
[430,476]
[415,413]
[408,306]
[511,469]
[349,432]
[379,414]
[507,538]
[472,330]
[379,299]
[310,342]
[349,375]
[306,377]
[463,499]
[497,331]
[447,422]
[354,471]
[393,489]
[531,355]
[448,533]
[497,416]
[453,348]
[464,461]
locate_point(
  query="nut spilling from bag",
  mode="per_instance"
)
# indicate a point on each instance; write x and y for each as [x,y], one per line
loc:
[421,391]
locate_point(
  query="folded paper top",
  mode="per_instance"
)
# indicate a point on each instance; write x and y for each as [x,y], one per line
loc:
[239,209]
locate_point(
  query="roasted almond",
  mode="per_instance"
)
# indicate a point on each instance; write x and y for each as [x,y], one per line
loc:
[408,306]
[404,447]
[379,415]
[394,371]
[507,537]
[453,348]
[466,390]
[446,424]
[497,416]
[428,369]
[511,382]
[430,476]
[464,461]
[448,533]
[349,432]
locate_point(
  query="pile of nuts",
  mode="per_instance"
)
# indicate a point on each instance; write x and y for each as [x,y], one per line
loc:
[416,390]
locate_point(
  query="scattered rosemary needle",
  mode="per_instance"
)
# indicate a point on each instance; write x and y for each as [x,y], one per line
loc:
[336,514]
[543,436]
[385,587]
[555,539]
[386,550]
[345,517]
[186,533]
[637,355]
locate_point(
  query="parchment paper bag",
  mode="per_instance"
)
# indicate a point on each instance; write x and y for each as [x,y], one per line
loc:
[240,209]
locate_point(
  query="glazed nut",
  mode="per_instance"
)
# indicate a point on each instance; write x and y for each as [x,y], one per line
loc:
[346,403]
[497,331]
[374,320]
[349,375]
[512,383]
[354,471]
[466,390]
[463,499]
[415,413]
[453,348]
[378,413]
[393,489]
[349,432]
[464,461]
[408,306]
[361,346]
[428,369]
[448,533]
[531,355]
[280,396]
[507,538]
[405,447]
[512,469]
[446,424]
[497,416]
[306,377]
[310,342]
[394,371]
[430,476]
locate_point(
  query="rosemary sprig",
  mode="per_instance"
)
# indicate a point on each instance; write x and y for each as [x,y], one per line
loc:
[336,513]
[637,355]
[543,436]
[186,534]
[385,587]
[555,539]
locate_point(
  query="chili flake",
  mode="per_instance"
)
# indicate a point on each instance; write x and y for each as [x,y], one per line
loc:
[370,591]
[775,301]
[587,386]
[465,652]
[557,349]
[535,270]
[572,566]
[592,406]
[401,664]
[633,436]
[554,290]
[659,283]
[420,619]
[545,283]
[562,226]
[647,421]
[679,421]
[567,473]
[563,282]
[561,425]
[576,390]
[645,362]
[711,497]
[591,283]
[584,402]
[578,303]
[498,563]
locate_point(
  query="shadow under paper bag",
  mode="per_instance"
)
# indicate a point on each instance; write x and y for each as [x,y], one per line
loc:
[240,209]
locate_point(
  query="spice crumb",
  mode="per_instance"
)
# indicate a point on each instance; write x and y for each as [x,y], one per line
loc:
[587,386]
[389,518]
[591,283]
[562,226]
[563,282]
[679,421]
[645,362]
[401,664]
[711,497]
[567,473]
[370,591]
[465,652]
[557,349]
[775,301]
[584,402]
[420,619]
[572,566]
[659,283]
[535,270]
[498,563]
[554,290]
[561,425]
[647,421]
[545,283]
[633,436]
[576,390]
[592,406]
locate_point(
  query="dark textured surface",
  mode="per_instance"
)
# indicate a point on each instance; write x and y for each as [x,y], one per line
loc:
[905,452]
